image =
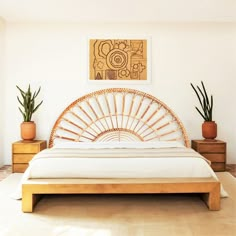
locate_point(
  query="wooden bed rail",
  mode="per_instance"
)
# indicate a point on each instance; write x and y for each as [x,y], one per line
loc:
[32,190]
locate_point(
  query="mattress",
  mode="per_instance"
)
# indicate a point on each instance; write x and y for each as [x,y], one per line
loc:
[118,163]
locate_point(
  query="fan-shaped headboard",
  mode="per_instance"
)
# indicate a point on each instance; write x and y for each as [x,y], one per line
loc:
[118,114]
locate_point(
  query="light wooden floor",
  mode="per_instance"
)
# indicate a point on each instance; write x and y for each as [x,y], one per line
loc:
[231,168]
[6,170]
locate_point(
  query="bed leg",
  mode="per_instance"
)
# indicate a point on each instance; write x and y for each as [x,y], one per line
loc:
[29,200]
[212,199]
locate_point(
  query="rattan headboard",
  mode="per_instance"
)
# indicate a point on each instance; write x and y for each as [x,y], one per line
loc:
[118,114]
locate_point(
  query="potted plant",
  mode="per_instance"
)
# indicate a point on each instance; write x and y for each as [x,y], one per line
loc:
[28,107]
[209,127]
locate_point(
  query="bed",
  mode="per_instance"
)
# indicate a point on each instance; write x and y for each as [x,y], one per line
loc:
[118,141]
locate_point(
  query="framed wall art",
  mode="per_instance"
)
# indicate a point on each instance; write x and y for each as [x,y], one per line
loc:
[119,60]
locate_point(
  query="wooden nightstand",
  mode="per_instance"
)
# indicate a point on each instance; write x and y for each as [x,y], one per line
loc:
[214,150]
[23,152]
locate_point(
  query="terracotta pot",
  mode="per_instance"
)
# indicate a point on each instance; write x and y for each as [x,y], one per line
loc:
[28,131]
[209,130]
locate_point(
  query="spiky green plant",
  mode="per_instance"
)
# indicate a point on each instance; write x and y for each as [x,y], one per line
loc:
[205,102]
[27,102]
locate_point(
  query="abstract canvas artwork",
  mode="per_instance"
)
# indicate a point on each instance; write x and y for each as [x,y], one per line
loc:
[118,59]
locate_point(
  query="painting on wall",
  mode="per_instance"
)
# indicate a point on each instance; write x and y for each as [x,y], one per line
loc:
[118,60]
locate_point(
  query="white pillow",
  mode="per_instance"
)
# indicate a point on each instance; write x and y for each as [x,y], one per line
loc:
[106,145]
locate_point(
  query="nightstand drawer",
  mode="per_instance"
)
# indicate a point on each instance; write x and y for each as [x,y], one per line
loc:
[212,148]
[22,158]
[25,148]
[214,157]
[19,168]
[219,166]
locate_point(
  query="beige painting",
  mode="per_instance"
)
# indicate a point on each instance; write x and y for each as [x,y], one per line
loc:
[118,59]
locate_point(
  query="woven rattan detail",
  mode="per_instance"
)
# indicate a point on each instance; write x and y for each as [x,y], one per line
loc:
[118,114]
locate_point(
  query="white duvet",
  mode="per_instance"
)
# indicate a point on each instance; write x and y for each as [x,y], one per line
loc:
[119,160]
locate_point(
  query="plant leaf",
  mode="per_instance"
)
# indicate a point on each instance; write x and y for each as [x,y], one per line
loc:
[206,105]
[28,102]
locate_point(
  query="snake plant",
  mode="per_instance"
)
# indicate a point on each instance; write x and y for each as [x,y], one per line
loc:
[205,102]
[27,102]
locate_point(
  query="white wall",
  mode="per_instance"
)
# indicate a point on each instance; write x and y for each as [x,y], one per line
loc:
[2,81]
[54,56]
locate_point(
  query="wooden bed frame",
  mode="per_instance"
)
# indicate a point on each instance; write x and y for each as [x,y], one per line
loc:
[119,114]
